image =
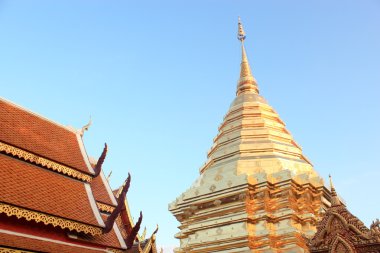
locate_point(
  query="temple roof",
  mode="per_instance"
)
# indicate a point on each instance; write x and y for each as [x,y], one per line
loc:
[102,191]
[125,221]
[28,186]
[47,181]
[341,231]
[40,136]
[40,244]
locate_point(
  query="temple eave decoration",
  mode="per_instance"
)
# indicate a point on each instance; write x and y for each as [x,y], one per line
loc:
[46,163]
[46,219]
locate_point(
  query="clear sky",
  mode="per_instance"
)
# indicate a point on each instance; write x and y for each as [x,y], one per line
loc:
[157,78]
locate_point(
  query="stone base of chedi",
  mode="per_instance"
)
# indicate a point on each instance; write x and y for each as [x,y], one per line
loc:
[257,192]
[244,213]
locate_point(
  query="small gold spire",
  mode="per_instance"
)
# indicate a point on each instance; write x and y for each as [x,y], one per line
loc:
[246,83]
[334,196]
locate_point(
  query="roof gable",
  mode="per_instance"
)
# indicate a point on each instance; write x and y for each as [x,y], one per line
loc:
[33,133]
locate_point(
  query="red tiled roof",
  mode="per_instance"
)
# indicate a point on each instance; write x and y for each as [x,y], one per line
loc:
[110,239]
[100,192]
[31,187]
[30,132]
[128,226]
[34,244]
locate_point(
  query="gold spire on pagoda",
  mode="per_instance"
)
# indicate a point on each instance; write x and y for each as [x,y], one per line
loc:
[334,196]
[246,83]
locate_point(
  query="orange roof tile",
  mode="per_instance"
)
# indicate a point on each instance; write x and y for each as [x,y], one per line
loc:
[110,239]
[40,136]
[100,191]
[31,187]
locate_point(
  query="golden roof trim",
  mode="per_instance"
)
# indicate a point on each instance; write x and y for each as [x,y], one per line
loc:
[46,163]
[114,250]
[105,207]
[19,212]
[9,250]
[150,243]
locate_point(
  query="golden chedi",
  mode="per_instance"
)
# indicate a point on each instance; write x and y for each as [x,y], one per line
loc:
[256,192]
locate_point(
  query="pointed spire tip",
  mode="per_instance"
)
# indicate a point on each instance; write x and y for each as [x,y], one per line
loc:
[241,34]
[246,82]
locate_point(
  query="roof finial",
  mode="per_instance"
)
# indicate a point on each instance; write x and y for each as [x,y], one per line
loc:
[86,127]
[246,83]
[334,196]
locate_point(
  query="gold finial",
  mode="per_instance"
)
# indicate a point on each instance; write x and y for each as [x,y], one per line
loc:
[241,33]
[246,83]
[85,127]
[334,196]
[332,188]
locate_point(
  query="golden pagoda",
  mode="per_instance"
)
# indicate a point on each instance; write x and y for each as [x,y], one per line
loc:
[256,192]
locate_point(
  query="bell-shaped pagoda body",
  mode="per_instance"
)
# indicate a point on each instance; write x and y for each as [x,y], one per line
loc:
[256,192]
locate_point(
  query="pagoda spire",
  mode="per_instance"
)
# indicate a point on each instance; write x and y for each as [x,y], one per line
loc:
[334,196]
[246,83]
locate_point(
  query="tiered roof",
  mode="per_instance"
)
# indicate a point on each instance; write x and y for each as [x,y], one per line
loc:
[252,136]
[52,198]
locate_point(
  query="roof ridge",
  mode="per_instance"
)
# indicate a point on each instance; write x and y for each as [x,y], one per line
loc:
[68,128]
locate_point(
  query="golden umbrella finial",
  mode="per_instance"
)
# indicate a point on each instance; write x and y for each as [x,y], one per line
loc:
[241,33]
[246,82]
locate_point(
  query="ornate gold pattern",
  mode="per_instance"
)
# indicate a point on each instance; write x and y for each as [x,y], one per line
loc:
[114,250]
[149,245]
[27,156]
[104,207]
[48,219]
[8,250]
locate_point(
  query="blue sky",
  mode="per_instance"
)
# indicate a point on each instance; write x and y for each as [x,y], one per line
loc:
[157,78]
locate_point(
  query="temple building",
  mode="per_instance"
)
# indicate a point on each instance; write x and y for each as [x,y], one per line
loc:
[257,191]
[341,232]
[53,197]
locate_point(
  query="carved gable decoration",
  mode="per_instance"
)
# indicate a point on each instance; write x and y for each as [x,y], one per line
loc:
[342,246]
[339,231]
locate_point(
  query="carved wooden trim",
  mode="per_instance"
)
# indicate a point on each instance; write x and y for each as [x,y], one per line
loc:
[49,219]
[27,156]
[8,250]
[339,240]
[105,208]
[114,250]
